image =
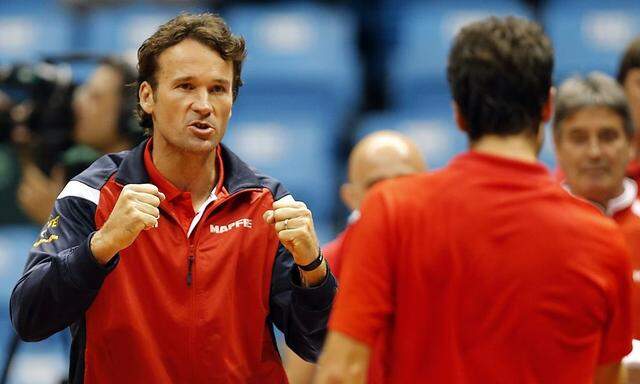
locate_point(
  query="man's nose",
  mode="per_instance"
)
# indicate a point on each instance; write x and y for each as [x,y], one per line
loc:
[594,148]
[201,105]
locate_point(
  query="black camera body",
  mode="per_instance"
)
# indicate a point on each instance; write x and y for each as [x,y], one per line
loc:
[36,117]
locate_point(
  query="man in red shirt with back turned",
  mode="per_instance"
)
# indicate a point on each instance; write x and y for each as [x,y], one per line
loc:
[486,271]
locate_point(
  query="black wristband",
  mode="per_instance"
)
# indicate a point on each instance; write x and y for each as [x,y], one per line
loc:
[314,264]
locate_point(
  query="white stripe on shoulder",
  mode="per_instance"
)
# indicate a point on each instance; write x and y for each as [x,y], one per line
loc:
[287,198]
[77,189]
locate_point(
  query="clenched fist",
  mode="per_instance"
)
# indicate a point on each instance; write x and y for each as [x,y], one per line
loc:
[293,223]
[136,210]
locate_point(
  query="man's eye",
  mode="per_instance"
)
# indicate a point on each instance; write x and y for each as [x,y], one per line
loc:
[578,138]
[218,89]
[609,136]
[185,86]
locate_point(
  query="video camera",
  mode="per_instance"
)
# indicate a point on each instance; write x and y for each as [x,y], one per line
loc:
[36,117]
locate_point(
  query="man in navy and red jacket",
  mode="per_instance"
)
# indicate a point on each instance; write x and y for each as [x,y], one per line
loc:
[172,261]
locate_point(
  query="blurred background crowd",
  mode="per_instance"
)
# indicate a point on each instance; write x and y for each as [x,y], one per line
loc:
[320,75]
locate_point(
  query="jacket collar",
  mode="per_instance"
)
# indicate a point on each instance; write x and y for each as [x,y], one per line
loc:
[238,175]
[132,170]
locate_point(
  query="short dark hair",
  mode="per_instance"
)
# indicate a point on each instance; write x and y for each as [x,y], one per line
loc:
[595,90]
[630,60]
[499,73]
[206,28]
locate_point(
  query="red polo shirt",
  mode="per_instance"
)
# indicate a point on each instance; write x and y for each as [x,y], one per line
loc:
[625,210]
[633,170]
[180,201]
[486,272]
[333,253]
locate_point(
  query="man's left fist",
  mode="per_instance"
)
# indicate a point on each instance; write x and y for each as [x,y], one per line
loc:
[294,225]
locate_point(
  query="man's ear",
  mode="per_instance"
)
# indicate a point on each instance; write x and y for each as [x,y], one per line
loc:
[348,196]
[459,119]
[145,93]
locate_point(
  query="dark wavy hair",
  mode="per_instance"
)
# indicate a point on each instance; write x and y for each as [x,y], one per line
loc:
[206,28]
[499,73]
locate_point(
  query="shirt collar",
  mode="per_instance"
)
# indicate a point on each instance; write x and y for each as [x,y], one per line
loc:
[166,187]
[354,216]
[237,174]
[624,200]
[535,171]
[618,203]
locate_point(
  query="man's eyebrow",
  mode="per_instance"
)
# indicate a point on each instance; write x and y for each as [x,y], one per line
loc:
[191,78]
[183,78]
[221,81]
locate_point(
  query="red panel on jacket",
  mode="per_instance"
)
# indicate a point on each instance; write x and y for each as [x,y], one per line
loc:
[202,333]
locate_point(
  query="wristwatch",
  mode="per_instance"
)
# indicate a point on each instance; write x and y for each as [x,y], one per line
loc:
[314,264]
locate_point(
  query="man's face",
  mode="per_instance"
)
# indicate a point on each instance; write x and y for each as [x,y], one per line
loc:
[632,89]
[96,106]
[191,102]
[593,151]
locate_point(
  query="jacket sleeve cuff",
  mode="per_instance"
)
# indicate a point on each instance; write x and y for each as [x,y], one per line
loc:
[83,269]
[316,298]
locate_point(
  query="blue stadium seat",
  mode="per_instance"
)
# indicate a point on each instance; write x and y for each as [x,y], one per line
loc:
[15,242]
[29,31]
[418,65]
[43,362]
[432,128]
[293,148]
[121,29]
[303,56]
[590,35]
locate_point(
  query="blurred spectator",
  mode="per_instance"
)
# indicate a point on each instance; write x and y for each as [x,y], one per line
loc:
[593,134]
[104,107]
[35,121]
[378,156]
[104,123]
[629,77]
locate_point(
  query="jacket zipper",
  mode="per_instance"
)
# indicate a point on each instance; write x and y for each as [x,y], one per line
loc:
[191,260]
[192,331]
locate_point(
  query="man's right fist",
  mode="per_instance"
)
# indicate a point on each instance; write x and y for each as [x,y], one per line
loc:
[135,211]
